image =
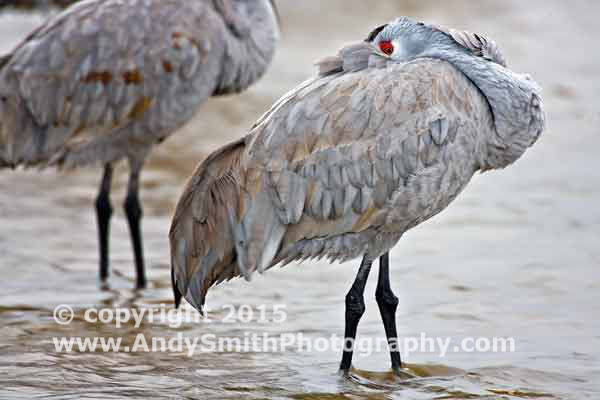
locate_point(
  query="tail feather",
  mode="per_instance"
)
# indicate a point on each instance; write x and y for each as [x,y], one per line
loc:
[224,226]
[27,141]
[22,140]
[202,249]
[176,293]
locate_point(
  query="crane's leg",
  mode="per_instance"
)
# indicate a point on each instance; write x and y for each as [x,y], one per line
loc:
[103,213]
[355,308]
[133,211]
[388,303]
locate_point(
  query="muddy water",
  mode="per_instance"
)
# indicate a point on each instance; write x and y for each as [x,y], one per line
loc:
[517,255]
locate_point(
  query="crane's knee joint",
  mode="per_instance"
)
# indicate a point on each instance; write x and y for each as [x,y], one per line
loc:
[386,299]
[103,206]
[355,305]
[132,207]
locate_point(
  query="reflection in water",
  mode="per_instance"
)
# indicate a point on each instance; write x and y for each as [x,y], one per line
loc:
[516,256]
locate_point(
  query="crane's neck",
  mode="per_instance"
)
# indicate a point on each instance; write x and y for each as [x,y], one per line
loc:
[253,32]
[515,103]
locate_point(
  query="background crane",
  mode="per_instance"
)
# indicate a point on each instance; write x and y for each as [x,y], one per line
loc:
[107,80]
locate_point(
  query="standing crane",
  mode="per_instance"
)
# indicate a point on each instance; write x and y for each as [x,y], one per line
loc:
[385,137]
[106,80]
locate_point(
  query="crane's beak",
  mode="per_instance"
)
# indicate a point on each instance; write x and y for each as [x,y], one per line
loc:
[276,11]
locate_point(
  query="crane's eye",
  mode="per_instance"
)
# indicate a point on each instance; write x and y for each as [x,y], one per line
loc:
[386,47]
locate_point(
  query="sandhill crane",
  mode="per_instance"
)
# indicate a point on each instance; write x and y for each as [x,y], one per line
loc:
[106,80]
[385,137]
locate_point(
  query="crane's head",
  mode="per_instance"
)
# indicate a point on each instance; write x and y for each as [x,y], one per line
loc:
[405,39]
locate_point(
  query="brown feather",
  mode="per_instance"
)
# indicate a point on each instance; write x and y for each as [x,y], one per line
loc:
[201,222]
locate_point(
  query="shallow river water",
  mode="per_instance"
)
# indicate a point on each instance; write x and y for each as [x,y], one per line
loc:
[516,256]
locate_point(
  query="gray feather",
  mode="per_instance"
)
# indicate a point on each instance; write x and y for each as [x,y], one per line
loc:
[480,45]
[351,58]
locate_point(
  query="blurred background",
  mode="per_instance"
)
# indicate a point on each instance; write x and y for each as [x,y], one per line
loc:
[516,255]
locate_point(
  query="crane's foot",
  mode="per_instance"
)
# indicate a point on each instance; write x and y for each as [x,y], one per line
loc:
[402,373]
[104,285]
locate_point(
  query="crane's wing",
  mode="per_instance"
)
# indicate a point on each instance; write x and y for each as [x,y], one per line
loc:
[331,160]
[101,65]
[331,155]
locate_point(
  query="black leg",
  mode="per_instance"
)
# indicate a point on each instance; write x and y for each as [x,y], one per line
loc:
[103,213]
[388,303]
[133,210]
[355,308]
